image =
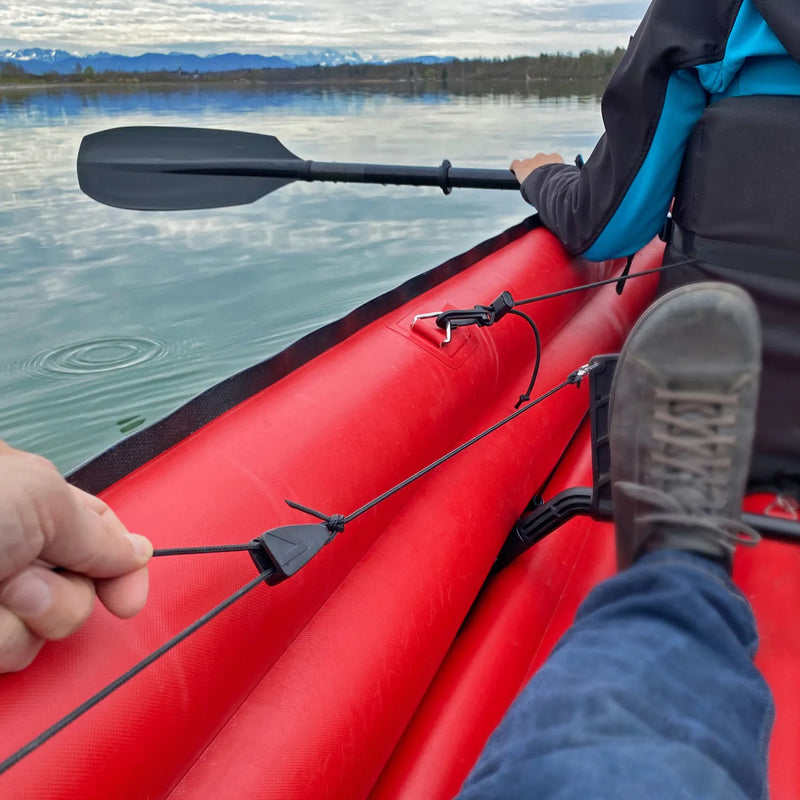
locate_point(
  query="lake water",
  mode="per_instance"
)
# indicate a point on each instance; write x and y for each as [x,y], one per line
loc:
[109,319]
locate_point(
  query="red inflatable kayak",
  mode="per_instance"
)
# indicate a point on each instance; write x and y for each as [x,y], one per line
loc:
[380,667]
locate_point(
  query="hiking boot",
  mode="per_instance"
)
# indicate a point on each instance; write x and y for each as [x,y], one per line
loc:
[682,417]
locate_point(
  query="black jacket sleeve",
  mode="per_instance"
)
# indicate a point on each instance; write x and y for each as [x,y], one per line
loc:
[617,202]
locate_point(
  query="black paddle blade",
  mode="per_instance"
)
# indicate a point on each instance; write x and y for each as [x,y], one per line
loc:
[166,169]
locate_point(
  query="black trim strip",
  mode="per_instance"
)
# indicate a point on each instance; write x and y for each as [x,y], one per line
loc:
[131,453]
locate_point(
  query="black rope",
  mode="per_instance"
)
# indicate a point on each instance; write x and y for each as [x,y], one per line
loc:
[334,522]
[125,677]
[191,551]
[214,548]
[596,284]
[306,510]
[523,398]
[574,378]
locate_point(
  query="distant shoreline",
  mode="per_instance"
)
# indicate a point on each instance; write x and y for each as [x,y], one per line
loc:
[456,75]
[551,87]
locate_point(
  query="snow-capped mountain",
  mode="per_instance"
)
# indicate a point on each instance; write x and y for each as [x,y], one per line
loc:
[39,61]
[330,58]
[35,54]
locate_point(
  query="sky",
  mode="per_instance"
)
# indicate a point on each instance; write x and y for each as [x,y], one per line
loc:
[386,28]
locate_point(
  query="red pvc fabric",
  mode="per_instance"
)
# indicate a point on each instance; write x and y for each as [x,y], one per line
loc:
[487,664]
[769,575]
[331,711]
[513,627]
[333,434]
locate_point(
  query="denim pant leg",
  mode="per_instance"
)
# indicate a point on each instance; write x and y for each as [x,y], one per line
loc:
[651,694]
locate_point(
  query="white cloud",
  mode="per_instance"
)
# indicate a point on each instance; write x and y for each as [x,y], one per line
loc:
[385,27]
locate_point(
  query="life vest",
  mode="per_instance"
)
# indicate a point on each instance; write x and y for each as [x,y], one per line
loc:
[737,212]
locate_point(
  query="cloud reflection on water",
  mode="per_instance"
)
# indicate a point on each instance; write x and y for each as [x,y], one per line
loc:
[225,288]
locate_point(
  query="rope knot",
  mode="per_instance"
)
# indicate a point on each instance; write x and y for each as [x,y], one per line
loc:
[335,524]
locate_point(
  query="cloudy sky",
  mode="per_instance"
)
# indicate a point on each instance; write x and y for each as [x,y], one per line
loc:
[388,28]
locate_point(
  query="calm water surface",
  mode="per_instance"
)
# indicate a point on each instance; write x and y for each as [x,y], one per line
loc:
[109,319]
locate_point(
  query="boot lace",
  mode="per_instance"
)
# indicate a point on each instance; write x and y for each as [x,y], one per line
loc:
[692,470]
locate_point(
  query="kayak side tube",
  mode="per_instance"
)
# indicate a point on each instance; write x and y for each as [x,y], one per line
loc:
[321,673]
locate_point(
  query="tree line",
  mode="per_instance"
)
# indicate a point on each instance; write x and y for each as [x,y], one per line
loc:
[586,66]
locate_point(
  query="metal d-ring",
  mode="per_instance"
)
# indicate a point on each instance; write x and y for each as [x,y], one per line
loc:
[783,503]
[448,329]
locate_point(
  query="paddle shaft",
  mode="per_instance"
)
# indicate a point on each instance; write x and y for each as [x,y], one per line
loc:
[444,176]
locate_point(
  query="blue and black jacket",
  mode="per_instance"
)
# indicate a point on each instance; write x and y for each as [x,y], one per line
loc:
[685,56]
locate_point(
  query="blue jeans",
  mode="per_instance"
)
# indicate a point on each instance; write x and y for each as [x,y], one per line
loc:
[651,694]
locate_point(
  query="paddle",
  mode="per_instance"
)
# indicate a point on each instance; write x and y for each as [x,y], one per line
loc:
[162,169]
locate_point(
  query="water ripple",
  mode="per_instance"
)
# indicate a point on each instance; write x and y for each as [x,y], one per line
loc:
[96,355]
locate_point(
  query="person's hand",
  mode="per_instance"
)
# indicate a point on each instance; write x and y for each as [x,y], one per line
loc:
[45,522]
[523,168]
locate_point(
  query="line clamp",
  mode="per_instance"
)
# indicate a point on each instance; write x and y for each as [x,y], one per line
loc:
[283,551]
[482,316]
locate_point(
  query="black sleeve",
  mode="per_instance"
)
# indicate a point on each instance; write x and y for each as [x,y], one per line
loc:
[617,202]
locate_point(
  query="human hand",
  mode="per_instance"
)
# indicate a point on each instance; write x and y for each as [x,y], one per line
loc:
[44,522]
[523,168]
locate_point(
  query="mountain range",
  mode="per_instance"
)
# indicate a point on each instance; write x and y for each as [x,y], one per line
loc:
[39,61]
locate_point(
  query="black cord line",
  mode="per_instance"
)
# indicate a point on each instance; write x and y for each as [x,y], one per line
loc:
[59,726]
[573,378]
[455,452]
[191,551]
[335,523]
[306,510]
[213,548]
[523,398]
[596,284]
[620,281]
